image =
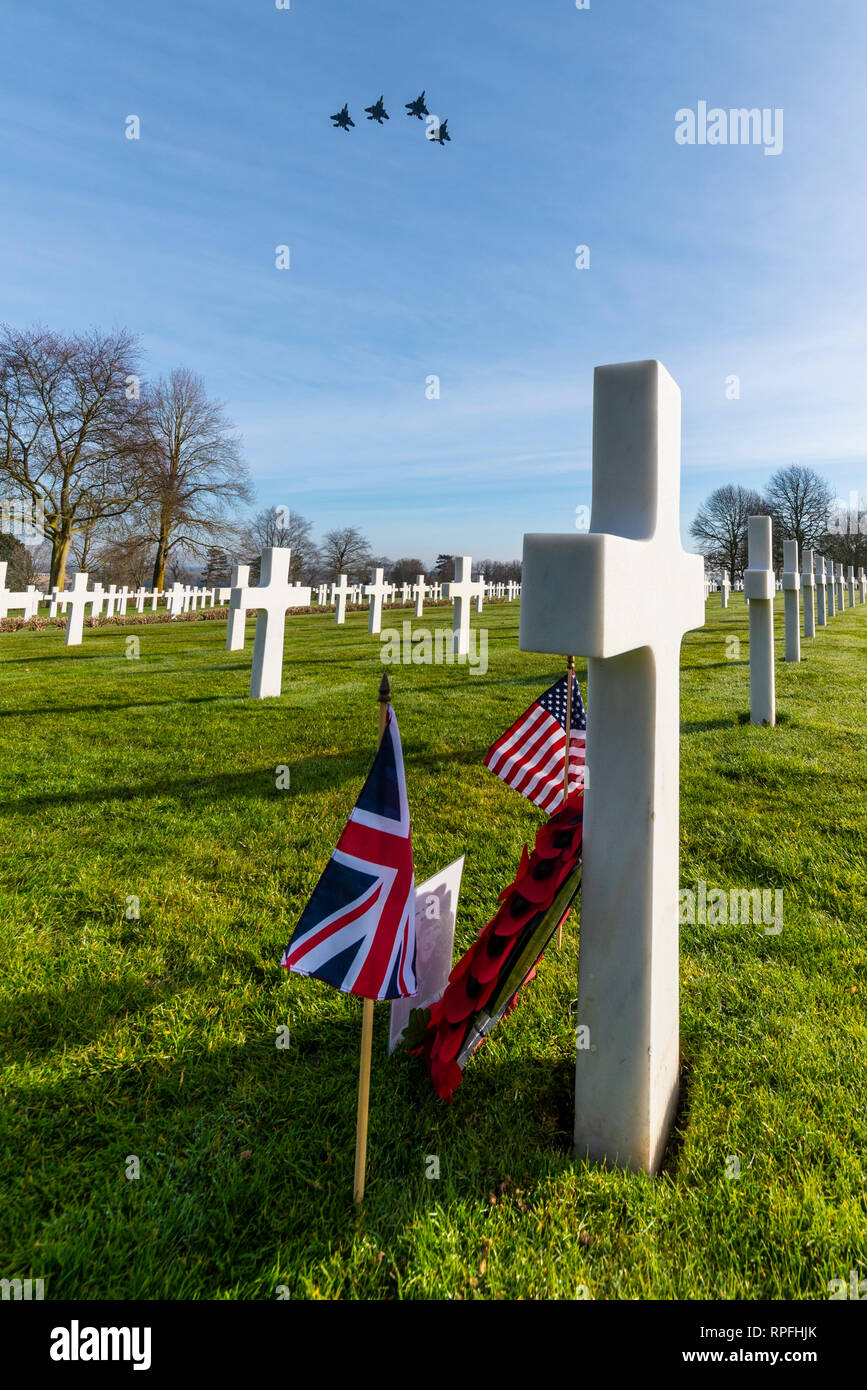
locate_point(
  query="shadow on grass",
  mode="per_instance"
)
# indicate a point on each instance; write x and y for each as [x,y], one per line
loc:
[36,1023]
[698,726]
[119,705]
[324,772]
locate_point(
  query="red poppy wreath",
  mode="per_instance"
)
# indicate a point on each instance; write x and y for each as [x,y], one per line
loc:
[483,986]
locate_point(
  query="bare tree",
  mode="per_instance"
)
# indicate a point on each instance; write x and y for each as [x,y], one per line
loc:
[720,526]
[346,551]
[846,539]
[405,571]
[70,428]
[798,500]
[499,571]
[277,526]
[194,468]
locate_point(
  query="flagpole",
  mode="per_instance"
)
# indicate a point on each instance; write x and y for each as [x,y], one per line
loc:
[570,668]
[367,1024]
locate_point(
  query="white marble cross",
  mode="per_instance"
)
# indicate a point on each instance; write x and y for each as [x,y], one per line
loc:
[851,585]
[821,596]
[480,596]
[791,591]
[339,594]
[838,574]
[725,588]
[808,588]
[759,589]
[376,592]
[272,596]
[862,584]
[76,601]
[462,590]
[830,580]
[140,596]
[26,599]
[624,594]
[418,593]
[237,616]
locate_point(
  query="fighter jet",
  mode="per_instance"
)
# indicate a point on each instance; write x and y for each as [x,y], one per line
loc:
[377,112]
[417,107]
[343,120]
[441,135]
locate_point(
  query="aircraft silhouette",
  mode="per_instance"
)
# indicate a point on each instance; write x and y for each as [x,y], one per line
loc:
[442,135]
[377,112]
[343,120]
[417,107]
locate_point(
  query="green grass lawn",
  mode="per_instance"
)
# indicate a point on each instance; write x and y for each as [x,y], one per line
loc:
[155,1036]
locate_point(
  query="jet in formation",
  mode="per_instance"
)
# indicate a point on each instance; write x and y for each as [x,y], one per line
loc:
[417,108]
[377,112]
[343,120]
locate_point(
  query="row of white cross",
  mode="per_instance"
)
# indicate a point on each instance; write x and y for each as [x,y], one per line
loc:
[343,592]
[816,573]
[108,602]
[185,598]
[825,589]
[276,593]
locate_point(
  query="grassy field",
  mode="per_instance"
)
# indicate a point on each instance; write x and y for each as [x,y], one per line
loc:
[154,779]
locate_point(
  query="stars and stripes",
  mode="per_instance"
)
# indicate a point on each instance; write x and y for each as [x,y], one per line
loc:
[358,930]
[530,756]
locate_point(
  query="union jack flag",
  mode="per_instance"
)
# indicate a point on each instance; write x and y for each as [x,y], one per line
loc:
[358,930]
[530,757]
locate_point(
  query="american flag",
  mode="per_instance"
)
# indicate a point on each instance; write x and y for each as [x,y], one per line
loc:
[531,755]
[358,930]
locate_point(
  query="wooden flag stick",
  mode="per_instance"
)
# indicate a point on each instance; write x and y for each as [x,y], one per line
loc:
[367,1027]
[570,669]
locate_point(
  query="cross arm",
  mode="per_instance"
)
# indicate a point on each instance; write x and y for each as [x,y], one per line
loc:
[601,595]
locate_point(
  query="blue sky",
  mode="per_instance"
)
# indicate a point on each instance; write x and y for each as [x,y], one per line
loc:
[409,260]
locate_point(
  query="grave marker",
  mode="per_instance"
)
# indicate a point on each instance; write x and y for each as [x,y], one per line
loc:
[271,597]
[791,590]
[759,588]
[339,594]
[821,595]
[724,588]
[624,594]
[376,592]
[462,590]
[418,592]
[236,622]
[76,601]
[808,585]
